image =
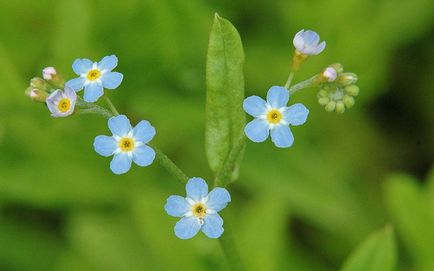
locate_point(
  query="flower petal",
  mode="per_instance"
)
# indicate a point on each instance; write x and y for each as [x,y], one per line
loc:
[255,106]
[311,38]
[176,206]
[212,226]
[81,66]
[105,145]
[144,131]
[70,93]
[218,199]
[143,155]
[298,40]
[196,188]
[108,63]
[76,84]
[282,136]
[296,114]
[187,227]
[119,125]
[52,101]
[277,97]
[120,163]
[111,80]
[92,92]
[257,130]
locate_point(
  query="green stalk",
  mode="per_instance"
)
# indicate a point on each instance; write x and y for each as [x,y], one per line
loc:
[110,104]
[288,82]
[303,84]
[170,167]
[230,251]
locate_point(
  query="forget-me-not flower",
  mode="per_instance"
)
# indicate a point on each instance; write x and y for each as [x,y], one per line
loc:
[199,210]
[95,76]
[127,144]
[307,42]
[273,117]
[61,103]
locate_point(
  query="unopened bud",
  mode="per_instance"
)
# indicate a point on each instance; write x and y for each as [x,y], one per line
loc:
[39,83]
[352,90]
[346,79]
[48,73]
[329,74]
[348,101]
[340,107]
[323,100]
[36,95]
[330,107]
[338,67]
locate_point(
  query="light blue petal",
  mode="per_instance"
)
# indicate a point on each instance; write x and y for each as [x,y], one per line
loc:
[282,136]
[144,131]
[119,125]
[296,114]
[177,206]
[105,145]
[108,63]
[196,188]
[310,37]
[218,199]
[111,80]
[92,92]
[143,155]
[187,227]
[255,106]
[76,84]
[277,97]
[212,226]
[257,130]
[82,66]
[120,163]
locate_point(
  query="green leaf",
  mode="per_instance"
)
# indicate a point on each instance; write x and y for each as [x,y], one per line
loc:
[377,253]
[225,118]
[409,207]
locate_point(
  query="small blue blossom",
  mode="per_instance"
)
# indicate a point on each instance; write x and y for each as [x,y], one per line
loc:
[95,76]
[307,42]
[199,210]
[127,144]
[273,117]
[61,103]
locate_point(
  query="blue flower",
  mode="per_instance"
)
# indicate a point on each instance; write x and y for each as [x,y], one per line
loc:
[127,144]
[95,76]
[307,42]
[61,103]
[199,210]
[273,116]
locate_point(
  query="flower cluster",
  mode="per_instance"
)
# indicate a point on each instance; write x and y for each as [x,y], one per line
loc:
[337,89]
[199,210]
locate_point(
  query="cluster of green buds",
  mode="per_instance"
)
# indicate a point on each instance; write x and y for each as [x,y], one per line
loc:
[40,88]
[337,88]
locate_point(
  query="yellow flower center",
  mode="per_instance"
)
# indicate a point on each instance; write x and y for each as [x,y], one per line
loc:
[92,75]
[64,105]
[126,144]
[199,210]
[274,116]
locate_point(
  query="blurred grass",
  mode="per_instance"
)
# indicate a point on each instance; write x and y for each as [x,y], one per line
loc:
[299,209]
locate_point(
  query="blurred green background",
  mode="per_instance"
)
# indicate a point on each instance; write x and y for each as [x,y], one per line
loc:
[303,208]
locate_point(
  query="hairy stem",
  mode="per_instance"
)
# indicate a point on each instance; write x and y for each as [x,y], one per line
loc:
[288,82]
[303,84]
[230,251]
[169,166]
[110,104]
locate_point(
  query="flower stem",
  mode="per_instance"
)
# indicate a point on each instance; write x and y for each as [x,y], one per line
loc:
[110,104]
[303,84]
[169,166]
[91,108]
[288,82]
[230,251]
